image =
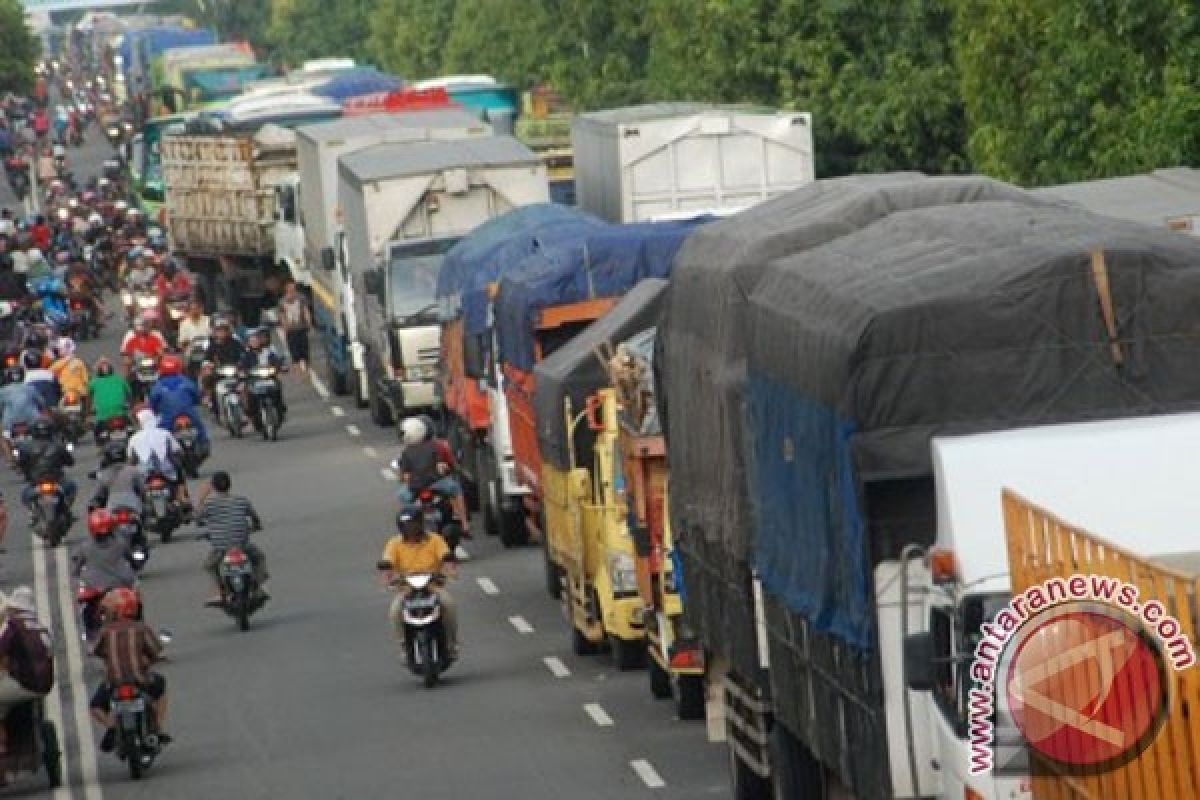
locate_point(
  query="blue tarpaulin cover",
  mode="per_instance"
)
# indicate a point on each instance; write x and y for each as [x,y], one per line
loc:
[356,82]
[144,45]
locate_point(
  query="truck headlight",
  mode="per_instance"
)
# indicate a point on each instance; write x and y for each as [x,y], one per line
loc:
[622,573]
[424,372]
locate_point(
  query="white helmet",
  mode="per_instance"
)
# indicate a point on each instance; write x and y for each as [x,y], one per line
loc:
[413,431]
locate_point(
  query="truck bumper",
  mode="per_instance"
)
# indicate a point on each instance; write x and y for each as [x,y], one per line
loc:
[415,394]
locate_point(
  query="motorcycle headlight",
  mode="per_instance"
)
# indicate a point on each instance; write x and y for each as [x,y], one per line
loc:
[622,573]
[176,313]
[113,133]
[127,298]
[146,301]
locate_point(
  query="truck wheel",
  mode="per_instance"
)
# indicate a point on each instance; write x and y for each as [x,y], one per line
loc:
[580,644]
[553,576]
[795,772]
[491,509]
[337,380]
[513,530]
[660,679]
[747,784]
[689,697]
[381,412]
[627,654]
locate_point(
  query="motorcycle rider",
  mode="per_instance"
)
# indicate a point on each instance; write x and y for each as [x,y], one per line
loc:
[142,341]
[19,403]
[119,484]
[417,551]
[69,369]
[154,448]
[259,353]
[229,520]
[129,648]
[175,395]
[39,376]
[26,653]
[109,392]
[103,561]
[224,349]
[46,459]
[428,463]
[194,324]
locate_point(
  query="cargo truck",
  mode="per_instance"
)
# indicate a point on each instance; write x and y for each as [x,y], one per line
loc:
[306,250]
[172,67]
[640,163]
[411,202]
[818,356]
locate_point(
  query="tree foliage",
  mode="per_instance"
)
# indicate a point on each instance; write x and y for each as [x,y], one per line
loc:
[304,29]
[408,37]
[19,48]
[233,20]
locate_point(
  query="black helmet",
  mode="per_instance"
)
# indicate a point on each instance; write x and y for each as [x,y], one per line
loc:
[41,429]
[114,453]
[410,517]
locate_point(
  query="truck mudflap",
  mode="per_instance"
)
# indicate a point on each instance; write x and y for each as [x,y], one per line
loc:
[748,720]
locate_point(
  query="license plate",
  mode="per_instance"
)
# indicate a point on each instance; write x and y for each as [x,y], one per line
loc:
[263,387]
[73,409]
[127,530]
[157,493]
[135,706]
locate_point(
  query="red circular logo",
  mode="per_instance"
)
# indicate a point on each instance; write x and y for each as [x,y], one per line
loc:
[1086,687]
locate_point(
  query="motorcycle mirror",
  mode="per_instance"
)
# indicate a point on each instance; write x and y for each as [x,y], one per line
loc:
[70,447]
[165,636]
[395,465]
[92,474]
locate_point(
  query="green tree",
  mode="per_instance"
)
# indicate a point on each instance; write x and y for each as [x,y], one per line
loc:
[19,48]
[233,20]
[486,36]
[408,37]
[303,29]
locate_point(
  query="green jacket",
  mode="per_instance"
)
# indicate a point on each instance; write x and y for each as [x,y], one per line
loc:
[110,396]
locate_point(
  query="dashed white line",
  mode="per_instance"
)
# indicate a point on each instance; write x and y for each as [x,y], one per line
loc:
[521,624]
[83,722]
[337,411]
[353,430]
[598,715]
[388,474]
[488,585]
[54,710]
[370,452]
[556,667]
[649,775]
[318,386]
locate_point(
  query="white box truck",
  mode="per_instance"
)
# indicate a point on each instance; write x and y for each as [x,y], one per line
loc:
[310,195]
[643,162]
[404,206]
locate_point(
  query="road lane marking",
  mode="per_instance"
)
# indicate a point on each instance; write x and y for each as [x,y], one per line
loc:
[54,709]
[521,624]
[598,715]
[370,452]
[388,474]
[556,667]
[649,775]
[353,430]
[337,411]
[79,694]
[488,586]
[318,386]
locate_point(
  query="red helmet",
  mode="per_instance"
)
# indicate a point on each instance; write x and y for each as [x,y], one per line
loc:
[122,603]
[100,522]
[170,364]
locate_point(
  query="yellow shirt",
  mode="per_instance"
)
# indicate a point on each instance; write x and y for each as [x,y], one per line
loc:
[416,557]
[72,374]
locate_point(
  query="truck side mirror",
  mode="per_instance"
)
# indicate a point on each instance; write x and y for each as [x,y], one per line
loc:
[328,261]
[474,358]
[918,661]
[373,281]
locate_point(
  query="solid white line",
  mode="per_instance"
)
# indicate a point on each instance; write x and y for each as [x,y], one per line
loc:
[370,452]
[318,386]
[556,666]
[83,722]
[41,598]
[488,586]
[337,411]
[521,624]
[388,474]
[649,775]
[353,430]
[598,715]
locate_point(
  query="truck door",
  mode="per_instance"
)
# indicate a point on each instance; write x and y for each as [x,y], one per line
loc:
[947,709]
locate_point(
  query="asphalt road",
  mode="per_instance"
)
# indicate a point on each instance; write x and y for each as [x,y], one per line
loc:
[313,701]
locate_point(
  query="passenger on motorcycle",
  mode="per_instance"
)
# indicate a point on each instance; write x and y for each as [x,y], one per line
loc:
[173,282]
[103,561]
[27,656]
[195,324]
[417,551]
[224,349]
[109,392]
[69,369]
[153,448]
[428,463]
[228,520]
[175,395]
[39,376]
[46,459]
[259,353]
[142,341]
[19,403]
[129,648]
[119,484]
[141,274]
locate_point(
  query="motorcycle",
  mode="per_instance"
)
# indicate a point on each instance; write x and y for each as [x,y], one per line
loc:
[187,435]
[33,742]
[439,517]
[82,320]
[240,595]
[137,740]
[51,517]
[177,307]
[87,599]
[139,302]
[115,429]
[228,400]
[266,394]
[197,350]
[425,647]
[113,133]
[160,512]
[129,528]
[145,373]
[71,415]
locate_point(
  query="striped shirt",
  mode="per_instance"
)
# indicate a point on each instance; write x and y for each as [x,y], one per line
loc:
[128,648]
[227,519]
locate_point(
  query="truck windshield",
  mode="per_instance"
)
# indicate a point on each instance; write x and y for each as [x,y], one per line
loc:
[412,277]
[153,132]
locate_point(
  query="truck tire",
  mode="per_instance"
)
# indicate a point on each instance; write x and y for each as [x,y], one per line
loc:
[746,783]
[689,697]
[553,575]
[627,654]
[513,530]
[381,412]
[660,679]
[337,380]
[795,772]
[360,400]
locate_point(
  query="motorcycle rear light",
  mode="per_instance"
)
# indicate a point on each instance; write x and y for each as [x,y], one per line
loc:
[123,516]
[86,593]
[116,424]
[426,495]
[46,487]
[687,658]
[235,556]
[183,422]
[156,483]
[126,692]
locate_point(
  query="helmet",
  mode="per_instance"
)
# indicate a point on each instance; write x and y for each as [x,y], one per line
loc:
[430,427]
[170,364]
[64,346]
[122,603]
[32,359]
[100,523]
[104,366]
[413,431]
[114,453]
[410,518]
[41,429]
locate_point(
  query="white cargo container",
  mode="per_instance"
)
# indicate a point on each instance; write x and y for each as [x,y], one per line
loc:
[313,191]
[404,206]
[642,162]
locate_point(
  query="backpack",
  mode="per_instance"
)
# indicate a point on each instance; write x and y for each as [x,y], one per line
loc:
[33,662]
